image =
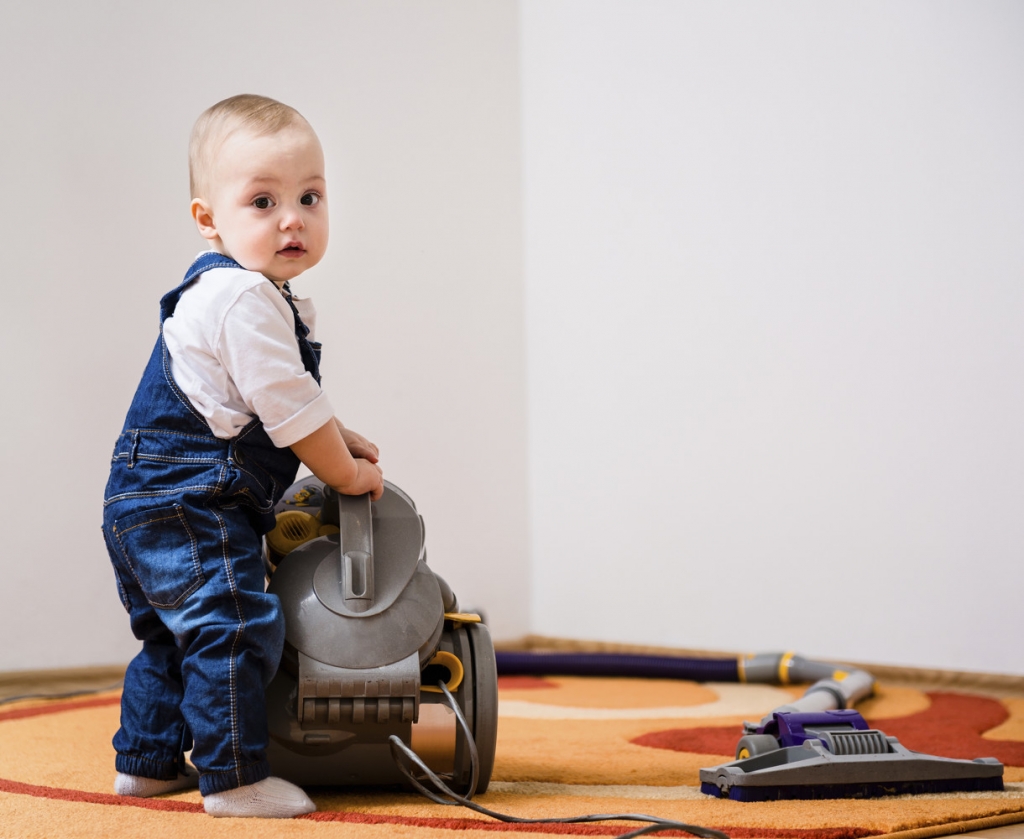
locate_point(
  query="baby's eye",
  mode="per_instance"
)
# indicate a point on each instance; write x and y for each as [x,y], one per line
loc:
[310,198]
[263,203]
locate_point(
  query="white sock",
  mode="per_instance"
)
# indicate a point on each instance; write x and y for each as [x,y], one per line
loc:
[271,798]
[142,787]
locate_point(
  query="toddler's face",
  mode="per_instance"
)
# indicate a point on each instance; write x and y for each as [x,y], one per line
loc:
[267,203]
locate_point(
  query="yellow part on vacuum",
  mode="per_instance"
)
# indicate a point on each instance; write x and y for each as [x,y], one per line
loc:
[450,662]
[294,528]
[741,669]
[784,668]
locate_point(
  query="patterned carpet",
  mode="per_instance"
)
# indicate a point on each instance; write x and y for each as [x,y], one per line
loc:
[566,746]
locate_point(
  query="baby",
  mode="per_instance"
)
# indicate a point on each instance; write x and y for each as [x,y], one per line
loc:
[228,406]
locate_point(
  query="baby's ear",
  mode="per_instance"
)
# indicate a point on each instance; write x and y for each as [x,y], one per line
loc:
[203,215]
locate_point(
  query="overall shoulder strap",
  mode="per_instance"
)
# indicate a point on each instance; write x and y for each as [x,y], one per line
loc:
[204,262]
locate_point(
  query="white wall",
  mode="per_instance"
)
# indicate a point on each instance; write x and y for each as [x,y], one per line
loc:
[420,294]
[772,265]
[775,348]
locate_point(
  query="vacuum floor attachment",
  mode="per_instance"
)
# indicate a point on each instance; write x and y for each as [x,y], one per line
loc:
[834,754]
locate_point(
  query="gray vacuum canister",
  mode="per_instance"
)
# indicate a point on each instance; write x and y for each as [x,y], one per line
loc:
[370,631]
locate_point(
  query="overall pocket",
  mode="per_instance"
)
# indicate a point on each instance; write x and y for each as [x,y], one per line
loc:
[162,552]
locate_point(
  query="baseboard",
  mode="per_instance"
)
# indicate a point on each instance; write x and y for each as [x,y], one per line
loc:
[60,681]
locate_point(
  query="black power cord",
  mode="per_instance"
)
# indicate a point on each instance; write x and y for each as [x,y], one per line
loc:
[449,797]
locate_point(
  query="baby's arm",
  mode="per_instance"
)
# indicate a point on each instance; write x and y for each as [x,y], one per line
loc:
[328,457]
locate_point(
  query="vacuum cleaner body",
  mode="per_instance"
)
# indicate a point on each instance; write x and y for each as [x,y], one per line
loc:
[370,632]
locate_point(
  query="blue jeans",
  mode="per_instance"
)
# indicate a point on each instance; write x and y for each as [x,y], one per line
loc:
[183,519]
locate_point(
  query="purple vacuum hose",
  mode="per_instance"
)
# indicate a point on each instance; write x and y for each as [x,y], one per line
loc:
[617,664]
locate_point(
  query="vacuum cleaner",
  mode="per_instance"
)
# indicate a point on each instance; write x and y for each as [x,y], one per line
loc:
[815,747]
[376,649]
[380,663]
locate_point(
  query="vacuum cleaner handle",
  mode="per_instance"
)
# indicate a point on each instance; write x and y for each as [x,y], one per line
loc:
[355,576]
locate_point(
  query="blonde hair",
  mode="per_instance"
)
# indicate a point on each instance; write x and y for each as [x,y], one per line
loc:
[258,114]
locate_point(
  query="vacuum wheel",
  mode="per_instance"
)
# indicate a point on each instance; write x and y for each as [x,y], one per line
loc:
[752,745]
[479,703]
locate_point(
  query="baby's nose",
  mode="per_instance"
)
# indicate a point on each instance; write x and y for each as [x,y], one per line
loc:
[292,220]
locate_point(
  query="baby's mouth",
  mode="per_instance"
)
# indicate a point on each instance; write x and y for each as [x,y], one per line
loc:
[292,251]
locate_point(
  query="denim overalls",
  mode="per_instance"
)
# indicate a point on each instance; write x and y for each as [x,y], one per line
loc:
[184,515]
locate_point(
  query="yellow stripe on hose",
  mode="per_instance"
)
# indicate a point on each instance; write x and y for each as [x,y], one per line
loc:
[784,667]
[741,667]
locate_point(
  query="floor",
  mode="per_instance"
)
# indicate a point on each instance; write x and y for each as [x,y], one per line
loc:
[14,685]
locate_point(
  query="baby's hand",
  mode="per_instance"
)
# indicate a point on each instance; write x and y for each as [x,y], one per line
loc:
[368,478]
[348,465]
[358,444]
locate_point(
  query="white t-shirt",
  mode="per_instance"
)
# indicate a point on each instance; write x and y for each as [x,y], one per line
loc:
[234,355]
